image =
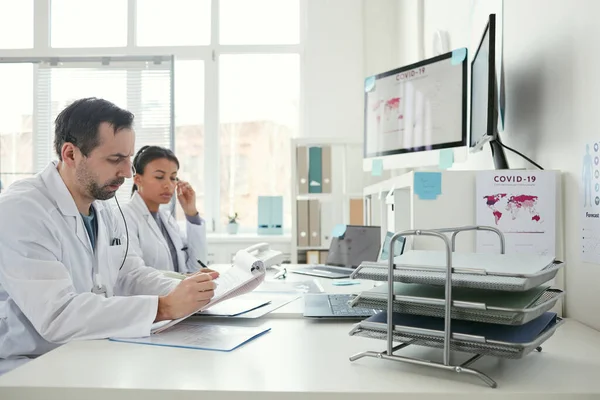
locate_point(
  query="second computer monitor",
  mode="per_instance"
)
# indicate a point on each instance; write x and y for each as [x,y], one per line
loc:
[412,113]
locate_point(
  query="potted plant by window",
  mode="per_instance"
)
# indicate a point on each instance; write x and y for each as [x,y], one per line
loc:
[232,226]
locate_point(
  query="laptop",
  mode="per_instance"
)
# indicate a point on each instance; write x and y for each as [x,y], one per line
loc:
[336,306]
[346,252]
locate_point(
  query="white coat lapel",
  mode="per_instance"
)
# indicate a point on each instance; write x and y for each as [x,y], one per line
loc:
[59,192]
[142,210]
[168,222]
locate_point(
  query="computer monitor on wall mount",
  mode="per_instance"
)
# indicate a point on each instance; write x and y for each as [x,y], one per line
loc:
[414,112]
[484,97]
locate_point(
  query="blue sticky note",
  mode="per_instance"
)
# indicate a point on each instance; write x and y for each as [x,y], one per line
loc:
[446,158]
[428,185]
[377,167]
[345,283]
[338,230]
[459,55]
[369,83]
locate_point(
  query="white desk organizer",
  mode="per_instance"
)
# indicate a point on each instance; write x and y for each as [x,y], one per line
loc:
[449,309]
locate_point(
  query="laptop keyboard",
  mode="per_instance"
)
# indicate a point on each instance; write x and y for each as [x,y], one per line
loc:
[339,306]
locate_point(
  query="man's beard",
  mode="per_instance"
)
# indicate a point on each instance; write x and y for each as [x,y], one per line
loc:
[93,189]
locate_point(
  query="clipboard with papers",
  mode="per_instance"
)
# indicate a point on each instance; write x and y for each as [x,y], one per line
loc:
[246,273]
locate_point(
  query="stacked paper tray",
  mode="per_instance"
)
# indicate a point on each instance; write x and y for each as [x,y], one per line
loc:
[462,310]
[459,342]
[504,272]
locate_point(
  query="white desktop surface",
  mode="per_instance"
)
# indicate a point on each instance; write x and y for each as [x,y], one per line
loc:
[302,359]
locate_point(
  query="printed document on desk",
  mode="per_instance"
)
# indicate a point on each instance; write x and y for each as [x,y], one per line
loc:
[270,301]
[235,307]
[246,273]
[201,336]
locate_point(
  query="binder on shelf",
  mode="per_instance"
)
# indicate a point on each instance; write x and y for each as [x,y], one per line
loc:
[302,169]
[327,224]
[314,223]
[302,223]
[356,212]
[323,256]
[315,170]
[312,257]
[270,215]
[326,168]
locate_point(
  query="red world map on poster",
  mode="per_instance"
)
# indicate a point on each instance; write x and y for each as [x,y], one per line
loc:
[513,205]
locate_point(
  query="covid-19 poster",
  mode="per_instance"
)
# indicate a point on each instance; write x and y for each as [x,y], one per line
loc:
[522,205]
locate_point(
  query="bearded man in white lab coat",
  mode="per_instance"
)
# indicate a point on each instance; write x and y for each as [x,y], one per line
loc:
[65,270]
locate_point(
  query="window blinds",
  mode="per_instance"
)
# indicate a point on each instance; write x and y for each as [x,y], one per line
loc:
[142,86]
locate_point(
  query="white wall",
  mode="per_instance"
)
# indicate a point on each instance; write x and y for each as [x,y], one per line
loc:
[381,33]
[392,34]
[333,69]
[552,85]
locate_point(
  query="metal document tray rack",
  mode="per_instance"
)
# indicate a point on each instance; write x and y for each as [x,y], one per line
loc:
[483,280]
[459,342]
[468,311]
[446,339]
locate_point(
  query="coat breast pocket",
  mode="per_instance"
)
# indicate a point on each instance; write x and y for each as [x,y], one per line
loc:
[116,255]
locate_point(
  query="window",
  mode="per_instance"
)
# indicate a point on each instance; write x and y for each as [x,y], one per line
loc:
[142,87]
[16,127]
[190,128]
[228,107]
[88,23]
[259,113]
[173,22]
[16,25]
[259,22]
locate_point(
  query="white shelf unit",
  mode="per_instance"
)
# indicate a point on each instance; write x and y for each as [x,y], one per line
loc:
[347,182]
[394,205]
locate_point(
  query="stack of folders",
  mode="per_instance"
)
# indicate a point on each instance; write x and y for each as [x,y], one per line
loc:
[516,310]
[517,317]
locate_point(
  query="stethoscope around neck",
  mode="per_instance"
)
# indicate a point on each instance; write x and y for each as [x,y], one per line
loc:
[99,287]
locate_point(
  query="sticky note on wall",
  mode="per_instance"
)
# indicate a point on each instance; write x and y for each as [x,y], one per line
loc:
[446,158]
[377,167]
[458,56]
[428,185]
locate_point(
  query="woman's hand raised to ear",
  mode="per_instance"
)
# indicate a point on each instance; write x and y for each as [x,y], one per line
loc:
[187,198]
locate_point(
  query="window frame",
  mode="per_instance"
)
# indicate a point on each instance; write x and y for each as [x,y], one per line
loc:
[209,54]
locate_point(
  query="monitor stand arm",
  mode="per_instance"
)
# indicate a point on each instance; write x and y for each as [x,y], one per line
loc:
[498,154]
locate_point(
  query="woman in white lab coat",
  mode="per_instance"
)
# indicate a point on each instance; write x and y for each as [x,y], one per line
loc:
[154,233]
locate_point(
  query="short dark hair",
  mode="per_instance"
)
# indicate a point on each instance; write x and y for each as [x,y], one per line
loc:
[79,122]
[146,155]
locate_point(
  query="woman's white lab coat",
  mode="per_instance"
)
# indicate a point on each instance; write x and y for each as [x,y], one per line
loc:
[48,269]
[149,242]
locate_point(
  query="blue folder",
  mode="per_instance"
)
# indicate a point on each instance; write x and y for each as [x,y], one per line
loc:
[200,336]
[505,333]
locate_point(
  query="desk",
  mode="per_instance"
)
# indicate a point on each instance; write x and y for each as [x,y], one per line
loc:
[301,359]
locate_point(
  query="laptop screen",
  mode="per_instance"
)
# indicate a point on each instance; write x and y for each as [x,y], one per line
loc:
[384,254]
[357,244]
